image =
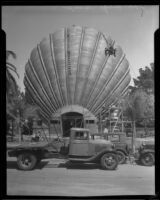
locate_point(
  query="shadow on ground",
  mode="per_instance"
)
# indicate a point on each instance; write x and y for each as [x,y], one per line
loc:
[13,165]
[82,166]
[67,165]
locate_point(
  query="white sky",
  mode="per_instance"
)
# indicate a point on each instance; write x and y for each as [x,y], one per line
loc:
[132,27]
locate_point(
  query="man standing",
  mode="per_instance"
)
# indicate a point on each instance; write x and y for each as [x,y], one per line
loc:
[105,130]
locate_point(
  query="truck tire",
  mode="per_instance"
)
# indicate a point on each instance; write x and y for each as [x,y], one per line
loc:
[147,159]
[109,161]
[121,157]
[26,161]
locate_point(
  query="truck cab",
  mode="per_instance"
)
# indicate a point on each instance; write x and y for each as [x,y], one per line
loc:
[84,148]
[82,144]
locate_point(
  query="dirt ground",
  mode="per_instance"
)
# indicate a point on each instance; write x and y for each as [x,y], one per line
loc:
[53,177]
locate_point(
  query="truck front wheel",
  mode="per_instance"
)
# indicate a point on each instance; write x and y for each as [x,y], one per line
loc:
[109,161]
[26,161]
[147,159]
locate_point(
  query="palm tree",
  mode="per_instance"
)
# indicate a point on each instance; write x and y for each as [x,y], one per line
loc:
[11,85]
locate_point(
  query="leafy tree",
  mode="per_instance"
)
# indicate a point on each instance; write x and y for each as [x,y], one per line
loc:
[141,97]
[18,105]
[16,100]
[139,106]
[145,80]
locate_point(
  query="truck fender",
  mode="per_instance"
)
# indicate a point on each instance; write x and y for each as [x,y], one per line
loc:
[123,151]
[144,151]
[98,156]
[127,149]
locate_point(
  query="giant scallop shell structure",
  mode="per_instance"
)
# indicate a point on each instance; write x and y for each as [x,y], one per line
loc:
[70,67]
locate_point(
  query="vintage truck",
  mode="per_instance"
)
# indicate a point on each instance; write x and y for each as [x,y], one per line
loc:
[79,147]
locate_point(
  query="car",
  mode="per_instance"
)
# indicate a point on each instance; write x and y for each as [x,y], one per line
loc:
[120,142]
[145,155]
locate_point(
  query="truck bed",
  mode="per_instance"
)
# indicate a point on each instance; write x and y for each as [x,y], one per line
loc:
[26,145]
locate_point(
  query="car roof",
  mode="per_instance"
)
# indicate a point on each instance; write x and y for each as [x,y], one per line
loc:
[107,134]
[80,129]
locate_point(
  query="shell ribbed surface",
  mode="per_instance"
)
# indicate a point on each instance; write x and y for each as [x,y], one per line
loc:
[70,68]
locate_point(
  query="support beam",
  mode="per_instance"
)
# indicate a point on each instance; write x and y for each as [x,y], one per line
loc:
[55,69]
[47,77]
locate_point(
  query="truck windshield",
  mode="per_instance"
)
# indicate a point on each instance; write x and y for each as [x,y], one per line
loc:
[94,137]
[81,135]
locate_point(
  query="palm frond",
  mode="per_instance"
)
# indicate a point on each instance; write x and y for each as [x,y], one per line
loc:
[10,53]
[11,85]
[13,68]
[10,66]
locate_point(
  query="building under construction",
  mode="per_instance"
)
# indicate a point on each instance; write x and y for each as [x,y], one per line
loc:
[72,74]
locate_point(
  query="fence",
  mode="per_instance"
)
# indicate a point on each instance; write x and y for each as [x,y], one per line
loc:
[141,132]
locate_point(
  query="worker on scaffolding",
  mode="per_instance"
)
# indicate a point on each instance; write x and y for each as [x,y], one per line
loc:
[105,131]
[36,136]
[25,129]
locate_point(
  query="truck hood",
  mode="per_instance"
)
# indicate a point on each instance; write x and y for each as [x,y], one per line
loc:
[100,144]
[101,141]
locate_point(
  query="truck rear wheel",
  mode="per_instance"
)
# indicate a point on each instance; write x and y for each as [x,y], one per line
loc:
[26,161]
[147,159]
[109,161]
[121,157]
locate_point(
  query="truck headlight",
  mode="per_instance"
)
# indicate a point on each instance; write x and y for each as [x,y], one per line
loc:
[143,143]
[142,146]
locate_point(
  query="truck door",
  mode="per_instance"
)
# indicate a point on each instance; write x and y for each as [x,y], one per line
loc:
[79,144]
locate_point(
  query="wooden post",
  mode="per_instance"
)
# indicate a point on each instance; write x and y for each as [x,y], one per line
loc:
[122,121]
[12,131]
[19,126]
[110,121]
[133,137]
[145,128]
[49,127]
[101,121]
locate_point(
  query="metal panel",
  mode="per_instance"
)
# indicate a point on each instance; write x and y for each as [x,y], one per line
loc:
[70,68]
